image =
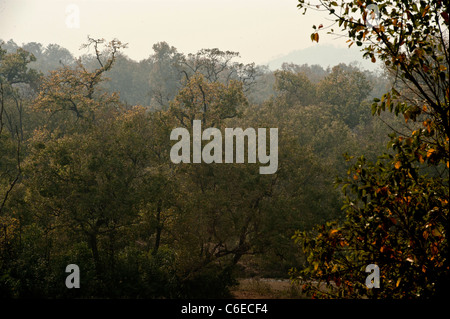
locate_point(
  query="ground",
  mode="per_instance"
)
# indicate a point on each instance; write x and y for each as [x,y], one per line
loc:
[267,288]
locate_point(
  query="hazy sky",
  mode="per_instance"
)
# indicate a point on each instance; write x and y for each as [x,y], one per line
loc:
[259,29]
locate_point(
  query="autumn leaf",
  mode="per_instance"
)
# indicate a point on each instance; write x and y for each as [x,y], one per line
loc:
[406,116]
[425,10]
[434,249]
[445,16]
[421,160]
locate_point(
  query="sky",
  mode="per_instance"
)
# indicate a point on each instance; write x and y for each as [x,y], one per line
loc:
[260,30]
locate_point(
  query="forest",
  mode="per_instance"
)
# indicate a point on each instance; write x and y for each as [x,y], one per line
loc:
[362,177]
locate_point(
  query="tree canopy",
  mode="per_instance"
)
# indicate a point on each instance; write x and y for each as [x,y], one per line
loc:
[396,208]
[86,176]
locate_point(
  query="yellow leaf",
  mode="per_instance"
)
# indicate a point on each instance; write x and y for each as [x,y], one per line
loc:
[421,160]
[406,116]
[425,10]
[398,282]
[436,232]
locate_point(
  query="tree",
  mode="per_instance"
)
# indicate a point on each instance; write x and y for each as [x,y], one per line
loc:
[396,210]
[170,69]
[218,66]
[16,79]
[345,88]
[165,78]
[295,87]
[314,72]
[211,102]
[97,184]
[75,91]
[129,79]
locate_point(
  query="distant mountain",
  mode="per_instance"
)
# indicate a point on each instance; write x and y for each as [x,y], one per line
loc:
[326,56]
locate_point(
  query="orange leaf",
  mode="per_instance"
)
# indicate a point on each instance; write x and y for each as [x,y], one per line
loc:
[421,160]
[398,165]
[406,116]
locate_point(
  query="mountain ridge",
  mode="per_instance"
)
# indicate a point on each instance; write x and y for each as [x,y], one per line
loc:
[326,56]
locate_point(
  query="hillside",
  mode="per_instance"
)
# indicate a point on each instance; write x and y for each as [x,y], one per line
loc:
[324,55]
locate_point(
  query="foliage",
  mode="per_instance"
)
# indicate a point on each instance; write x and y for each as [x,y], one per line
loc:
[396,210]
[94,184]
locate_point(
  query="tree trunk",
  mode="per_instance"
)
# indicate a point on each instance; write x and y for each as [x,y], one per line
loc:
[95,255]
[159,227]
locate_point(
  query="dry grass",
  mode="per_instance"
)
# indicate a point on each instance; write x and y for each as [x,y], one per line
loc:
[262,288]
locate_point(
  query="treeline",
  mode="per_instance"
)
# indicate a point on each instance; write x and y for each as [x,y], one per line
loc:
[86,177]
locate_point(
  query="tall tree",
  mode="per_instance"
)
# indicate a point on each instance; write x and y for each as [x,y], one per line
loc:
[75,92]
[345,88]
[16,82]
[397,211]
[165,78]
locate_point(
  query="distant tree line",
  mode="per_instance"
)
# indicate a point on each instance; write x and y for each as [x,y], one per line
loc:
[86,178]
